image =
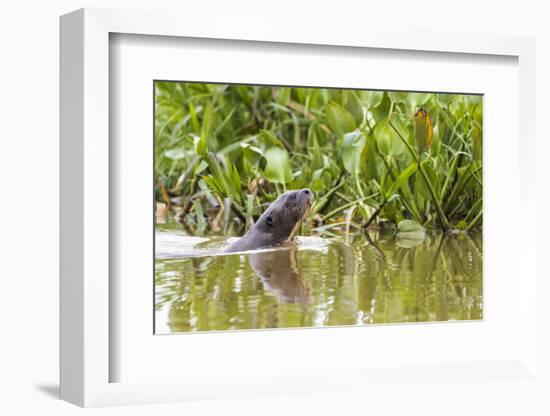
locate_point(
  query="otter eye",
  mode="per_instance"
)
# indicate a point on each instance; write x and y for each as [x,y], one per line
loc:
[269,220]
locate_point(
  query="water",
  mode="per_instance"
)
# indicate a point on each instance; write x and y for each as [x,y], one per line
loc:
[318,282]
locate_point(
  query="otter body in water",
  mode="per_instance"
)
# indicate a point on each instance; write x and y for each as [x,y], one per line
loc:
[277,224]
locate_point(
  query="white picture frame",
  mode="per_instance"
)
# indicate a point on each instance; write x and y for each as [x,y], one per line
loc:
[86,356]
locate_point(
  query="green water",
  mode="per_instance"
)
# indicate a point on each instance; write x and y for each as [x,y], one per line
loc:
[373,279]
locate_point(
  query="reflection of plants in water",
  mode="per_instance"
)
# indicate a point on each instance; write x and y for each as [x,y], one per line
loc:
[365,282]
[439,279]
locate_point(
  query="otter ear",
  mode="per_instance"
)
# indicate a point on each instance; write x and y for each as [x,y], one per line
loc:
[269,220]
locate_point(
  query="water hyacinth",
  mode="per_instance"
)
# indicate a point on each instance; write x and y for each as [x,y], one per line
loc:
[363,153]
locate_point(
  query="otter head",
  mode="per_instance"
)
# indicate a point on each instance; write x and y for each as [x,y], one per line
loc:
[281,219]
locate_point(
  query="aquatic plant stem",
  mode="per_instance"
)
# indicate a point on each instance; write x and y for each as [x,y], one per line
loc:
[164,194]
[408,201]
[186,207]
[185,175]
[349,204]
[330,195]
[374,215]
[238,212]
[475,221]
[452,172]
[442,217]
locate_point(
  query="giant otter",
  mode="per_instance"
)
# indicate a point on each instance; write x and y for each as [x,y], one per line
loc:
[277,224]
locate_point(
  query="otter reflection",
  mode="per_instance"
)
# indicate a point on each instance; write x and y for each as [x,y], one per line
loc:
[279,274]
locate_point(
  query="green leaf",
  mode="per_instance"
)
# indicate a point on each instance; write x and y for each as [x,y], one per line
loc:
[461,225]
[194,119]
[175,154]
[269,138]
[351,151]
[465,174]
[417,99]
[227,180]
[412,99]
[432,176]
[401,179]
[221,126]
[200,145]
[398,96]
[477,135]
[473,99]
[477,148]
[411,230]
[278,168]
[387,139]
[372,98]
[206,121]
[213,184]
[354,107]
[236,145]
[317,162]
[201,167]
[438,132]
[339,119]
[234,177]
[421,190]
[250,157]
[368,163]
[283,95]
[317,182]
[446,98]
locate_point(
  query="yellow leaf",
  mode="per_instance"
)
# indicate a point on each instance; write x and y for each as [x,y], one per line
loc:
[423,130]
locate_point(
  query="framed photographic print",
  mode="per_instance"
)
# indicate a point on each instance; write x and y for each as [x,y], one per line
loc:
[263,214]
[355,206]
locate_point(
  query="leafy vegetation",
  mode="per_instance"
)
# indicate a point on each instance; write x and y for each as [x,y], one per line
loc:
[372,158]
